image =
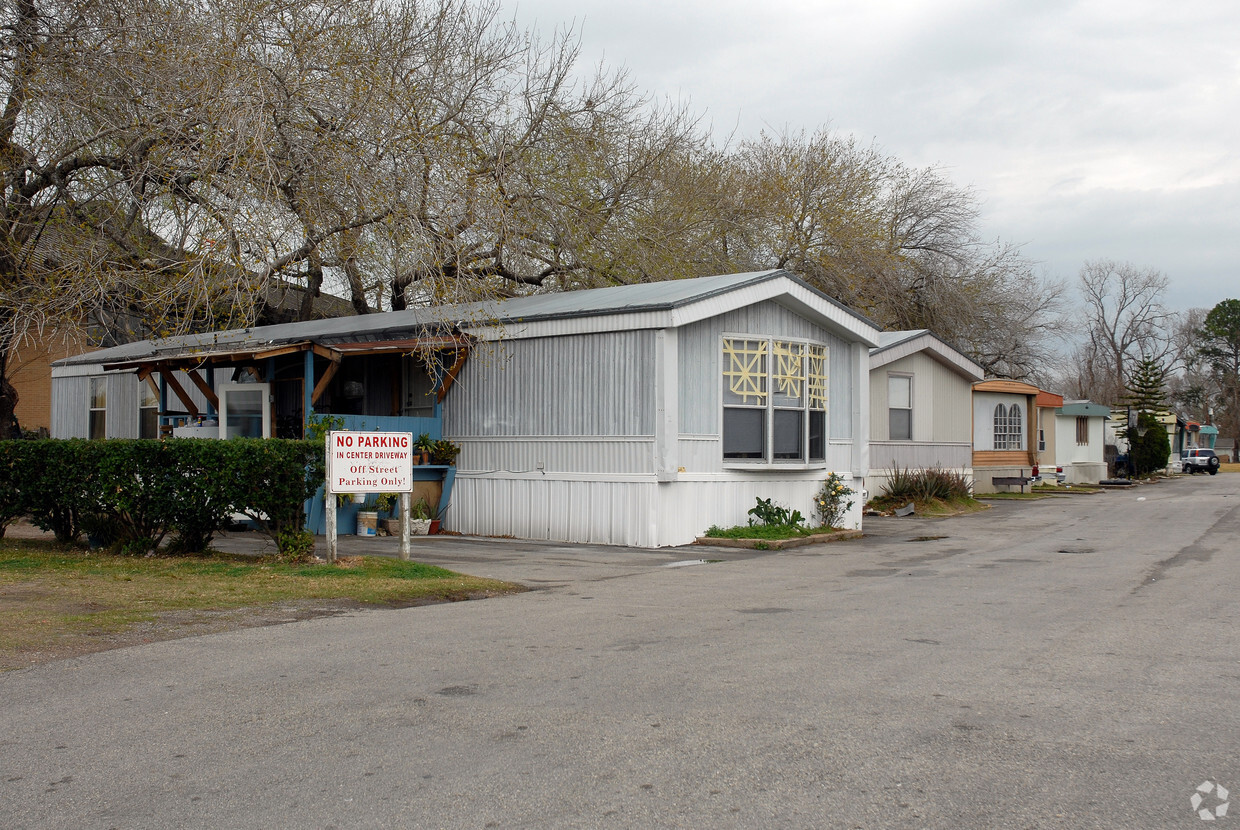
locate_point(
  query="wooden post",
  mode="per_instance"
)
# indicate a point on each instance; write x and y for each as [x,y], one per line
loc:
[405,498]
[329,502]
[329,507]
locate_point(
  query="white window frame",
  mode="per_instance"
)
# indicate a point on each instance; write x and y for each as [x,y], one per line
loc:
[814,401]
[226,389]
[909,409]
[1006,433]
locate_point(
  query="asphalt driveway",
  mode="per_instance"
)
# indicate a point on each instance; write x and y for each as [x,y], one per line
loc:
[1062,663]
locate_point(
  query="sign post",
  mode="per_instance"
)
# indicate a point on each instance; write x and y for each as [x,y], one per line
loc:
[368,462]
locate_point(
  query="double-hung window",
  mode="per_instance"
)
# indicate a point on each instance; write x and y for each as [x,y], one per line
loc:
[774,400]
[899,408]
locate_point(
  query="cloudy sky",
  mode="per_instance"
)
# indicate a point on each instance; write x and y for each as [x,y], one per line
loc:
[1091,130]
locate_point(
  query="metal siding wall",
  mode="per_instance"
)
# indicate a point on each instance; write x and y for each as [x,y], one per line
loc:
[595,512]
[699,364]
[122,418]
[70,398]
[687,509]
[556,454]
[920,455]
[582,385]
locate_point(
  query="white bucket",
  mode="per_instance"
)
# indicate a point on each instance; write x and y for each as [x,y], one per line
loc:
[367,522]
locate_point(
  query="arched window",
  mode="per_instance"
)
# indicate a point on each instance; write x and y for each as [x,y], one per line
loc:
[1008,428]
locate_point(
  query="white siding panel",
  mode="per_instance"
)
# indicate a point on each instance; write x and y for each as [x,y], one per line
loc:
[634,513]
[122,419]
[887,455]
[70,399]
[553,454]
[596,512]
[699,364]
[580,385]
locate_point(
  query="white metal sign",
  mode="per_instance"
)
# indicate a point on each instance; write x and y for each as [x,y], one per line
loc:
[369,462]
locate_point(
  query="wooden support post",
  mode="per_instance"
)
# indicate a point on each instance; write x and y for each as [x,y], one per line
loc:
[321,386]
[175,385]
[329,514]
[205,389]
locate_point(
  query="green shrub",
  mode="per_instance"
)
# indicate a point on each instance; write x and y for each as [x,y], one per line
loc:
[768,513]
[927,484]
[131,494]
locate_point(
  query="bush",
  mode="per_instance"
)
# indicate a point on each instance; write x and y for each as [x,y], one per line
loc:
[833,501]
[132,494]
[926,485]
[769,513]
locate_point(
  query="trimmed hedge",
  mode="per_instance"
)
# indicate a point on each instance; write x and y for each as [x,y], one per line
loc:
[131,495]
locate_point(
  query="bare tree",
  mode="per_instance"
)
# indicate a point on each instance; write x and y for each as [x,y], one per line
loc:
[1125,321]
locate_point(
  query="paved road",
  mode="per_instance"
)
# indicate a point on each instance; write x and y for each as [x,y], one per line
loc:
[1067,663]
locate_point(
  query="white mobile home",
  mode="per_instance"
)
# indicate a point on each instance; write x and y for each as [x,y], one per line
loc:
[634,415]
[921,406]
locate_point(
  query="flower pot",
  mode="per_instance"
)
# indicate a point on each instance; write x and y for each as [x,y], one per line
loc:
[392,526]
[434,526]
[419,527]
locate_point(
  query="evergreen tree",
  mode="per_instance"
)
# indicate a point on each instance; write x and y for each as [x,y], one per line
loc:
[1151,451]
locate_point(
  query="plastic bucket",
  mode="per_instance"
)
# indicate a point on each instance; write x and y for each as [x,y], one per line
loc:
[367,522]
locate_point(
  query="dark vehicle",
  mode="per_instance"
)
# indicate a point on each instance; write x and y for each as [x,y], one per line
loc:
[1199,459]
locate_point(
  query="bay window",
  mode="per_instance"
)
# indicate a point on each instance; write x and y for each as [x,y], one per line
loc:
[774,400]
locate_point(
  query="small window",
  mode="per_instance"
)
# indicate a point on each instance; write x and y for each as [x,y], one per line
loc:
[148,410]
[900,407]
[1082,431]
[98,410]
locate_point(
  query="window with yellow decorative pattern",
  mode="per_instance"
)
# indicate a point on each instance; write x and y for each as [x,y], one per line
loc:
[774,400]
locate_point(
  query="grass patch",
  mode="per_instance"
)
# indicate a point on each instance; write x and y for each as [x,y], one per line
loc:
[50,593]
[1229,468]
[1065,489]
[1031,496]
[764,532]
[929,507]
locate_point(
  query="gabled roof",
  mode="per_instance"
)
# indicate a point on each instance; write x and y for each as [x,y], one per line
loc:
[896,345]
[1087,409]
[619,308]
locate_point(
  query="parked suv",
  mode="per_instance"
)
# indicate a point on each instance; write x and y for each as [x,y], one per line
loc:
[1199,459]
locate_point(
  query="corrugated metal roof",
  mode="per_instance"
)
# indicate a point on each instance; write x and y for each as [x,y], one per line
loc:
[622,299]
[887,339]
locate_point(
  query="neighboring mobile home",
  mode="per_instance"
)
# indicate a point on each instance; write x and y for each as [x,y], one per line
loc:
[1080,435]
[921,404]
[636,415]
[1004,431]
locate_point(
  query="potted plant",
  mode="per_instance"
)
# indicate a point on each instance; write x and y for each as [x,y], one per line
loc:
[444,452]
[387,503]
[420,518]
[422,449]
